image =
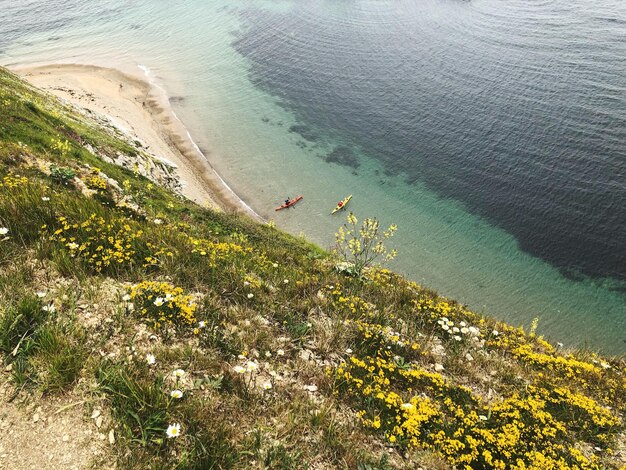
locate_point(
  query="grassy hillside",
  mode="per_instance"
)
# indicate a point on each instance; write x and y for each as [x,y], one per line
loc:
[211,341]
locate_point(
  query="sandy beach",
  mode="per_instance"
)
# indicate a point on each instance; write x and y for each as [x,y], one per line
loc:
[143,111]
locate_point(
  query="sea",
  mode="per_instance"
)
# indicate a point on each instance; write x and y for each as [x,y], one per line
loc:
[492,132]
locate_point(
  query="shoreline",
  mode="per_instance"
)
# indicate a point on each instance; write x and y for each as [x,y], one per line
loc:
[476,298]
[140,108]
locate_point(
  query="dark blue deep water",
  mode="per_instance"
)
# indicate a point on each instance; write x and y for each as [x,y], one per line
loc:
[516,109]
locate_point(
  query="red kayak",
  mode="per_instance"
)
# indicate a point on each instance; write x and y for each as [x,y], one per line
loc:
[289,204]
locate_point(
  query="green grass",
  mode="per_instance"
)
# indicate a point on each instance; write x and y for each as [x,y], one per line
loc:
[59,357]
[138,402]
[19,325]
[39,350]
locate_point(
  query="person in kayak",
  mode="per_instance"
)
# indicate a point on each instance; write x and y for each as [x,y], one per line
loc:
[287,200]
[340,204]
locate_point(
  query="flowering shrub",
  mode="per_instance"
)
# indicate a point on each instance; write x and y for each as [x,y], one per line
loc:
[61,146]
[215,252]
[102,244]
[154,259]
[12,181]
[96,182]
[161,304]
[362,246]
[534,428]
[595,378]
[381,277]
[348,306]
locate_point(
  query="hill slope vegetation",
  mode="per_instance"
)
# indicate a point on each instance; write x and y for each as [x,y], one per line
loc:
[207,340]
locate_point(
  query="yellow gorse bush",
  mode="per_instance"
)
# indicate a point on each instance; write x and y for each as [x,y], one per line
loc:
[216,252]
[413,407]
[597,379]
[100,243]
[349,306]
[96,182]
[161,304]
[12,181]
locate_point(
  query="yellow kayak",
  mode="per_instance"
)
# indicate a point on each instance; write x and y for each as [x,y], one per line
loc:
[342,204]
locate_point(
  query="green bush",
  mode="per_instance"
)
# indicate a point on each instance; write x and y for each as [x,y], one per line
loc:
[62,175]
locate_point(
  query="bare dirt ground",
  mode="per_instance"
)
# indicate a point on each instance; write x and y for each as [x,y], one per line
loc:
[51,433]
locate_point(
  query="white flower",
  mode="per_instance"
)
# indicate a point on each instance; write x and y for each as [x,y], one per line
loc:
[407,406]
[252,366]
[469,357]
[463,323]
[267,386]
[598,449]
[176,394]
[605,365]
[159,301]
[178,373]
[438,367]
[158,221]
[474,331]
[73,246]
[483,417]
[348,351]
[130,307]
[275,265]
[465,330]
[559,345]
[201,324]
[4,230]
[126,298]
[455,330]
[45,199]
[173,430]
[286,281]
[268,354]
[495,332]
[150,359]
[49,308]
[41,294]
[250,295]
[239,369]
[457,337]
[280,352]
[445,327]
[310,388]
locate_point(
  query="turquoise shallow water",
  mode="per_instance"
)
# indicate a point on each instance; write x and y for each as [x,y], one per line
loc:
[491,132]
